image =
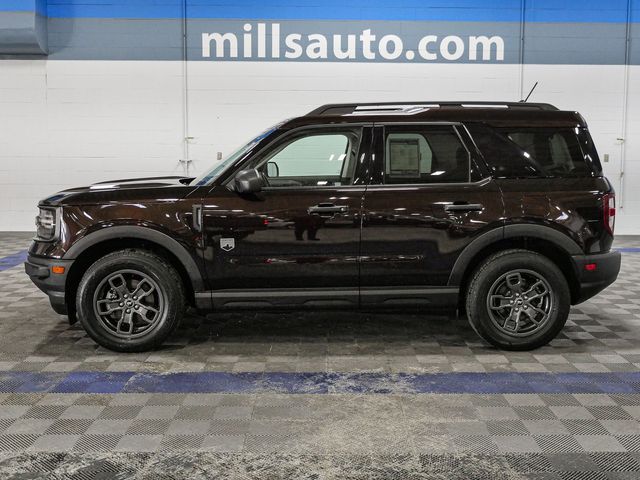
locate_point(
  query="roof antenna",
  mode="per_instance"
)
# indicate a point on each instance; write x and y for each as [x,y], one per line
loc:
[525,100]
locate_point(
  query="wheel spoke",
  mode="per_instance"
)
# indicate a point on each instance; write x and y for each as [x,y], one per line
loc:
[142,291]
[538,296]
[503,302]
[538,310]
[507,318]
[515,317]
[144,311]
[112,306]
[534,286]
[514,282]
[533,293]
[125,324]
[531,313]
[119,284]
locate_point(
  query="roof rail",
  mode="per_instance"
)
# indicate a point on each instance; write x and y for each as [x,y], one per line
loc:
[408,108]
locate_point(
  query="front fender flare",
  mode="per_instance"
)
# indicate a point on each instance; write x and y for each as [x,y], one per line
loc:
[141,233]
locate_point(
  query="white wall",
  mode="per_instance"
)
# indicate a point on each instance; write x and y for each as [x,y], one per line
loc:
[68,123]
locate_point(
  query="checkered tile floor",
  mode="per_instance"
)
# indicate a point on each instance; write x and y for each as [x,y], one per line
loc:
[386,431]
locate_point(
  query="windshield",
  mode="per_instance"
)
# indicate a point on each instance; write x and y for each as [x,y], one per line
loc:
[214,172]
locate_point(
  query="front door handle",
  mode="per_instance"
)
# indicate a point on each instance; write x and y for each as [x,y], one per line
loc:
[327,209]
[463,207]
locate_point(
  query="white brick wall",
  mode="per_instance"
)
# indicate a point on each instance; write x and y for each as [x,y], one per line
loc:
[66,123]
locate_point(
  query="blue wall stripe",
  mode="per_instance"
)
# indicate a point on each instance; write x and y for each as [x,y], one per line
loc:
[11,261]
[417,10]
[17,5]
[39,6]
[319,383]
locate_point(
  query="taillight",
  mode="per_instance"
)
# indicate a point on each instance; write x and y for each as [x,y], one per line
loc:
[609,208]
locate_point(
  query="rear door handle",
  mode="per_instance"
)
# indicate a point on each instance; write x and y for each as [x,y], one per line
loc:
[328,209]
[463,207]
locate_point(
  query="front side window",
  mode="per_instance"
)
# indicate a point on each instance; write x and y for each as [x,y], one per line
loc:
[313,158]
[424,154]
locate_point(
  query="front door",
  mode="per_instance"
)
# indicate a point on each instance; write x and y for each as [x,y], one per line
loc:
[296,242]
[426,202]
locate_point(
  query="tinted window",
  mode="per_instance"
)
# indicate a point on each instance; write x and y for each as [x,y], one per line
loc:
[503,156]
[589,150]
[556,151]
[312,158]
[424,154]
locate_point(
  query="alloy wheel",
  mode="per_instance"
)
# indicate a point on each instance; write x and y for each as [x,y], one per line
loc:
[129,303]
[520,302]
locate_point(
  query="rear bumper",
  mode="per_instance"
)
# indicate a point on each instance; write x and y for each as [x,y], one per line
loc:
[39,270]
[593,282]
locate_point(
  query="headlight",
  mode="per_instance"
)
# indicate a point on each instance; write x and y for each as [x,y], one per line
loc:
[46,224]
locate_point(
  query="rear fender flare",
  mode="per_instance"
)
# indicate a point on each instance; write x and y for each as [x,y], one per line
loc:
[509,231]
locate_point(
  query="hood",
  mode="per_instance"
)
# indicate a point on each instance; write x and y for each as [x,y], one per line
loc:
[133,188]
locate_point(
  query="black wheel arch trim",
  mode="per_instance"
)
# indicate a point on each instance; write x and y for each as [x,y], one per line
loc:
[141,233]
[541,232]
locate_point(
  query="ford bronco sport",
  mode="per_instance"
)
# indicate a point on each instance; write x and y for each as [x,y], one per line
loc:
[499,209]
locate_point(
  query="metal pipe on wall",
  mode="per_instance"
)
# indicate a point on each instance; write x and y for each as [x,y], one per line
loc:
[186,160]
[625,106]
[523,7]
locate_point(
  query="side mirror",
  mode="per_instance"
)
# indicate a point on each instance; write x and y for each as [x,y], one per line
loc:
[248,181]
[273,170]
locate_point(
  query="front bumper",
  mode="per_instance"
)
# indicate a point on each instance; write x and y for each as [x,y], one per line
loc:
[592,282]
[53,284]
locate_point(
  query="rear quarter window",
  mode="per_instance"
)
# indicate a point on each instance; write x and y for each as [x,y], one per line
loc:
[557,151]
[532,152]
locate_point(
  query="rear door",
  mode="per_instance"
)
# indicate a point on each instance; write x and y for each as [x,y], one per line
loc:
[429,197]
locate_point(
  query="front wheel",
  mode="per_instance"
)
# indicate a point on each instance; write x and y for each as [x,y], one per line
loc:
[130,300]
[518,300]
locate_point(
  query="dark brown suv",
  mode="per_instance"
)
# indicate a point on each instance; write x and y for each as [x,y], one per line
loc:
[497,208]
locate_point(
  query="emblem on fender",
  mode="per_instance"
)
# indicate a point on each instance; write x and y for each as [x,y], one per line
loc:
[227,244]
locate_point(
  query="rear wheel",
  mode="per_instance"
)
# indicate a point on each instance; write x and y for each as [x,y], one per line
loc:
[130,300]
[518,300]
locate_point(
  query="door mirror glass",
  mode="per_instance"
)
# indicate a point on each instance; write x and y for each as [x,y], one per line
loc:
[273,170]
[248,181]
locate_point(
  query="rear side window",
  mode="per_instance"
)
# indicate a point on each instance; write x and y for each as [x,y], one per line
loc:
[531,152]
[558,152]
[424,154]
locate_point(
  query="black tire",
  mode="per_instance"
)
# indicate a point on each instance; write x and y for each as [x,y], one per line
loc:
[492,295]
[120,274]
